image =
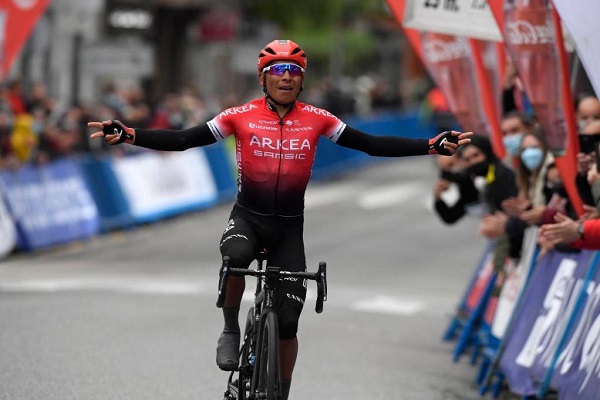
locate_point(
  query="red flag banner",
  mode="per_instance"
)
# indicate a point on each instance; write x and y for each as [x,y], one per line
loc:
[17,19]
[449,62]
[533,38]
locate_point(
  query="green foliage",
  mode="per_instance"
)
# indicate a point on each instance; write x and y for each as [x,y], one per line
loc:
[325,29]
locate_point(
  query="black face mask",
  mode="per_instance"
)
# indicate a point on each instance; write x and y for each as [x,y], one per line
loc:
[556,187]
[457,177]
[479,169]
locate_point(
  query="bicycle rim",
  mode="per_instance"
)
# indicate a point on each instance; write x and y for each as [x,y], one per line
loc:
[268,360]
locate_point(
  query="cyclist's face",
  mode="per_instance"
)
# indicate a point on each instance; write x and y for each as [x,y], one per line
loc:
[283,89]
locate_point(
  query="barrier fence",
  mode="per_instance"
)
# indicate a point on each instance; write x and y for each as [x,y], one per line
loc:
[543,338]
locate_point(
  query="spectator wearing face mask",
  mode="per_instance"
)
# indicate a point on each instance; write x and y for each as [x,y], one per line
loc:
[514,125]
[588,138]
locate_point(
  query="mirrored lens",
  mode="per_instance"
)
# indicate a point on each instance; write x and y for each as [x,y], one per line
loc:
[279,69]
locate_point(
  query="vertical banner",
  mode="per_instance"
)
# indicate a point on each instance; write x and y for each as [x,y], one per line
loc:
[451,40]
[17,19]
[448,60]
[533,38]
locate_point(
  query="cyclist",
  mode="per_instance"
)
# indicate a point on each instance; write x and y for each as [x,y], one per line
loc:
[276,137]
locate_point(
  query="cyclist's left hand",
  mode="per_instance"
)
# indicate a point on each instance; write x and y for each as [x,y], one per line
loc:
[447,142]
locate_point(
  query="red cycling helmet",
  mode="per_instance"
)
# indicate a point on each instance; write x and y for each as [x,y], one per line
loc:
[281,50]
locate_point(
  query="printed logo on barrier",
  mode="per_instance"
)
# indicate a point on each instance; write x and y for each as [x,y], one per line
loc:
[546,330]
[584,342]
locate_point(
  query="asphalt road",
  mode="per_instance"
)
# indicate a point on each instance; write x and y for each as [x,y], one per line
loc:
[131,315]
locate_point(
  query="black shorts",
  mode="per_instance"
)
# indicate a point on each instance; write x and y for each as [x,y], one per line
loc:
[247,233]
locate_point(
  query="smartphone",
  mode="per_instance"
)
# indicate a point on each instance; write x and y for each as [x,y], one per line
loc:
[597,154]
[587,143]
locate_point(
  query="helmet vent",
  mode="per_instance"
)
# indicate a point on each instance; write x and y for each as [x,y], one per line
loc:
[269,50]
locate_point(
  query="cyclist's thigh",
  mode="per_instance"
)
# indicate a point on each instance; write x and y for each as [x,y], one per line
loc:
[289,255]
[239,240]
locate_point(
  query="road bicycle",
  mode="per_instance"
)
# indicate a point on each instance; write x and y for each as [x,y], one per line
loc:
[258,375]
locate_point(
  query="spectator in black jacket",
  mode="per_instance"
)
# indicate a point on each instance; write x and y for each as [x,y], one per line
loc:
[453,175]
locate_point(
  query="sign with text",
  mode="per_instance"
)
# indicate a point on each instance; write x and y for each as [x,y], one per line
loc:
[469,18]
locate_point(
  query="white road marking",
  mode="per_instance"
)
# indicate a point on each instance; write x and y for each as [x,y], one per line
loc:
[389,305]
[356,300]
[370,199]
[122,285]
[390,195]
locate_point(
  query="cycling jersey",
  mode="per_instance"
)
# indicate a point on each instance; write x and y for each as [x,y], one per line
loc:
[274,155]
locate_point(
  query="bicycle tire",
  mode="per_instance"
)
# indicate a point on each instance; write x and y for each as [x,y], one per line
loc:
[266,373]
[248,349]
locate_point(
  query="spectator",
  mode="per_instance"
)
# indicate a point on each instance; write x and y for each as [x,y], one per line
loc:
[452,174]
[514,125]
[497,183]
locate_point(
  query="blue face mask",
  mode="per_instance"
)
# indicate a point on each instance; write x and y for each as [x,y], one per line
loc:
[512,143]
[532,157]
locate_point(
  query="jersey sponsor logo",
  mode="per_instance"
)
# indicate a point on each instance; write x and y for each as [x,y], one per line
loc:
[279,144]
[268,122]
[266,128]
[318,111]
[237,110]
[299,129]
[285,149]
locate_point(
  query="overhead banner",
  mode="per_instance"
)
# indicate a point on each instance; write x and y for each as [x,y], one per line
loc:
[468,18]
[17,19]
[581,18]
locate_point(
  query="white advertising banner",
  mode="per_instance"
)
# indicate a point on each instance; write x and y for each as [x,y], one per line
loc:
[161,184]
[581,18]
[469,18]
[515,281]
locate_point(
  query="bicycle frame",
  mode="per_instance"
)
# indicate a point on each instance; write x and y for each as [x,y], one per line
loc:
[266,286]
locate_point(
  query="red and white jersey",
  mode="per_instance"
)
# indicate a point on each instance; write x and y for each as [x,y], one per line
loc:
[275,155]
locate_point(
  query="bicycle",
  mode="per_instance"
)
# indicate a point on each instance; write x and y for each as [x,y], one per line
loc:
[258,375]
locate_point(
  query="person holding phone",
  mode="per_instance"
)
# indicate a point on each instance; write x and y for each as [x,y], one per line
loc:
[589,140]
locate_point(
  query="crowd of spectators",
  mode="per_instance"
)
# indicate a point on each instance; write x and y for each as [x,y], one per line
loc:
[525,189]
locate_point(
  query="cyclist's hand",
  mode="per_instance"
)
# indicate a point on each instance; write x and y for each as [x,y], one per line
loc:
[447,142]
[113,131]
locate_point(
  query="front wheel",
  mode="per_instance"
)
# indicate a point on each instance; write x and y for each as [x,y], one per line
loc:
[266,374]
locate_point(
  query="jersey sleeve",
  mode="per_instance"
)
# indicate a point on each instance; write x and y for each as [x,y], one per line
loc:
[222,125]
[333,126]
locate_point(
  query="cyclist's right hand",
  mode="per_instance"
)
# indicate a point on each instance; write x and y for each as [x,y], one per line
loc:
[113,131]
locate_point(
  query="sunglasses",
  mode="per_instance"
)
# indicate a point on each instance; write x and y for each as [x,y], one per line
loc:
[279,69]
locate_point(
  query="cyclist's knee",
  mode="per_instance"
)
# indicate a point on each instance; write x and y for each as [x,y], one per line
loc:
[240,252]
[288,322]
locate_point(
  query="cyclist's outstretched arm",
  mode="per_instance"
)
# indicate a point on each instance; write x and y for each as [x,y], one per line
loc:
[445,143]
[114,132]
